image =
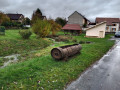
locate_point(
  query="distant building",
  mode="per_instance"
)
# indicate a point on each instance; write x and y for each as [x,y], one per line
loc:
[74,29]
[112,25]
[77,18]
[76,23]
[16,17]
[91,24]
[44,18]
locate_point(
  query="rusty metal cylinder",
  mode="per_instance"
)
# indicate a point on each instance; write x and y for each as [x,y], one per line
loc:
[65,51]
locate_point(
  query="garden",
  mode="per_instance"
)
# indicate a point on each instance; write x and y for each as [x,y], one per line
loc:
[26,62]
[36,69]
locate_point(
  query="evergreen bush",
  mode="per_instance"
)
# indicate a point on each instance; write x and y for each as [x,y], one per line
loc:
[25,34]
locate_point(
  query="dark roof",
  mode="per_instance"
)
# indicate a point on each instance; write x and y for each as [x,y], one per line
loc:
[72,27]
[92,23]
[14,16]
[44,17]
[108,20]
[80,15]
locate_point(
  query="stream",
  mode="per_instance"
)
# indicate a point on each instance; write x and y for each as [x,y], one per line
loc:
[11,59]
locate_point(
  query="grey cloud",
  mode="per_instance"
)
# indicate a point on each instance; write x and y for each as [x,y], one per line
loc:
[63,8]
[3,4]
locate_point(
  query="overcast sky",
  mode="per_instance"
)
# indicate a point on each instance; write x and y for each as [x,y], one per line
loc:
[63,8]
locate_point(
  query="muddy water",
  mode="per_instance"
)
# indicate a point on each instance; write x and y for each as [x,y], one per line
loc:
[12,58]
[103,75]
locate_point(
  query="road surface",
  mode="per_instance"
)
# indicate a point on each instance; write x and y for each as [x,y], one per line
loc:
[103,75]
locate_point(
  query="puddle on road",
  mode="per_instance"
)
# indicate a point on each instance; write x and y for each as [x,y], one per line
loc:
[118,47]
[11,59]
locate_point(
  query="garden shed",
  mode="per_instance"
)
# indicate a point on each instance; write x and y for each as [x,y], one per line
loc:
[74,29]
[97,30]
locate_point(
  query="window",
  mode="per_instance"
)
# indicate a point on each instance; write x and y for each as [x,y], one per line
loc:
[113,29]
[107,28]
[114,24]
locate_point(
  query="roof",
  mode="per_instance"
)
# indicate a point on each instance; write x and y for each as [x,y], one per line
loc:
[80,15]
[92,23]
[108,20]
[14,16]
[72,27]
[96,25]
[44,17]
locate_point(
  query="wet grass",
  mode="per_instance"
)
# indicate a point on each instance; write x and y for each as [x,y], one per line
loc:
[2,60]
[43,72]
[12,43]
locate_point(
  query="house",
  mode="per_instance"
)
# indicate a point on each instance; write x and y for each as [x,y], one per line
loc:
[91,24]
[16,17]
[72,28]
[75,24]
[112,25]
[44,18]
[97,30]
[77,18]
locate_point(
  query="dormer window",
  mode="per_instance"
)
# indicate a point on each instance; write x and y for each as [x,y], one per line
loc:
[113,24]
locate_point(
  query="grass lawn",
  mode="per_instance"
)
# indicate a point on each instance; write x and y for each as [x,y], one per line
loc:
[12,43]
[43,72]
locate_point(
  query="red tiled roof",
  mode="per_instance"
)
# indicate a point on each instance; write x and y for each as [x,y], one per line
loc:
[72,27]
[108,20]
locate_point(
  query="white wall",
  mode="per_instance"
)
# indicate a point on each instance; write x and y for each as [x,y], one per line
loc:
[95,31]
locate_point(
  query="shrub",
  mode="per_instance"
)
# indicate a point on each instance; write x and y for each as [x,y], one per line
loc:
[54,27]
[6,24]
[61,21]
[41,28]
[25,27]
[19,25]
[82,42]
[3,18]
[25,34]
[12,24]
[84,25]
[65,39]
[2,30]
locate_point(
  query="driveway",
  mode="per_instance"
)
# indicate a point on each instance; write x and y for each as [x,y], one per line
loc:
[103,75]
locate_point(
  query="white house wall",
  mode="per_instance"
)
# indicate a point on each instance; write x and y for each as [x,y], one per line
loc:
[95,31]
[117,26]
[110,28]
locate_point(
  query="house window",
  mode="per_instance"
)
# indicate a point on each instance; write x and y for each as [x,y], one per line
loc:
[113,24]
[113,29]
[107,28]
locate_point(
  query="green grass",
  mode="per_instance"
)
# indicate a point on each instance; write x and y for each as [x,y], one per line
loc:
[2,60]
[43,72]
[12,43]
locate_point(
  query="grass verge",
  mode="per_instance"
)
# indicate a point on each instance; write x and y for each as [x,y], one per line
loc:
[43,72]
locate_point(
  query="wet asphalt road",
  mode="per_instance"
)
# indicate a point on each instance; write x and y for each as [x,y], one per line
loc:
[103,75]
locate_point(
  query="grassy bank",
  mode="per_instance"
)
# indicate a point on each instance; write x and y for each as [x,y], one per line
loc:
[12,43]
[43,72]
